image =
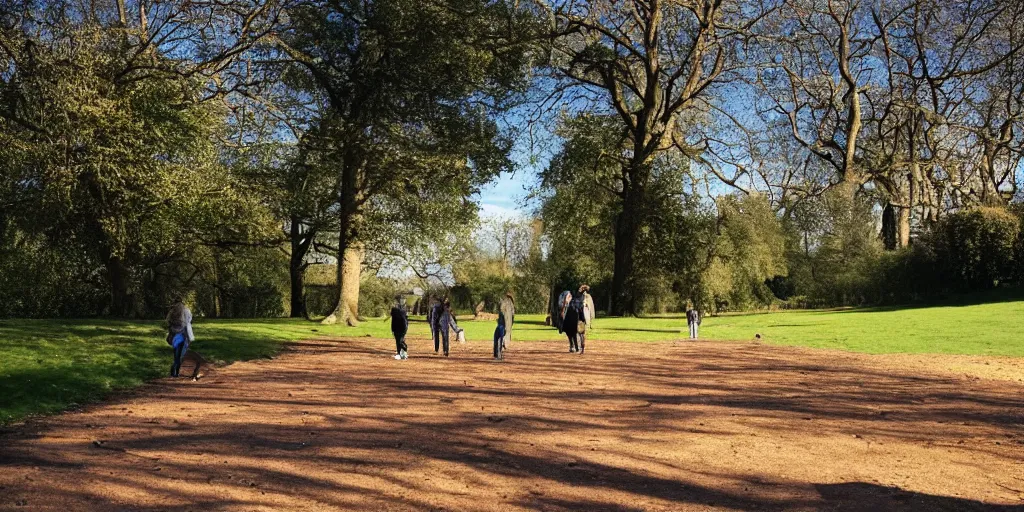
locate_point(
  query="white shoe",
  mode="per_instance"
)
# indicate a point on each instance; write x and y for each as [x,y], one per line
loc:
[398,357]
[405,355]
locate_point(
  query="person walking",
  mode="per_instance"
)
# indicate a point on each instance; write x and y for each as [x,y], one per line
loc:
[692,321]
[179,334]
[399,327]
[570,326]
[499,337]
[446,326]
[587,303]
[507,315]
[564,299]
[434,319]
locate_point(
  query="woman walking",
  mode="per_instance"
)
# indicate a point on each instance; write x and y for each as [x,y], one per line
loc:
[179,334]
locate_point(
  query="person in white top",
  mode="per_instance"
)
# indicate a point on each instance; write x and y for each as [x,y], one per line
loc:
[179,334]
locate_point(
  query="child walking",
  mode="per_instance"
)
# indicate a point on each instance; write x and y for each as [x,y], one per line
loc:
[399,327]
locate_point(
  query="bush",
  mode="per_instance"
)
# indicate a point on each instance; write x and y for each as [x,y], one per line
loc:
[376,295]
[252,301]
[39,282]
[977,246]
[320,299]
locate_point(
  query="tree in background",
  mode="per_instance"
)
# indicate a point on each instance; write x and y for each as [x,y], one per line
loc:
[651,66]
[108,125]
[410,88]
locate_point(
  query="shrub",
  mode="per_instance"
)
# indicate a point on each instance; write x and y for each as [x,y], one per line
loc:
[976,247]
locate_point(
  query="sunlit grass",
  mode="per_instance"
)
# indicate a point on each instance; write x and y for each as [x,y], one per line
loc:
[49,365]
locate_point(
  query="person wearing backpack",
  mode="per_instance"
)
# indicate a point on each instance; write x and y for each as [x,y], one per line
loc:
[571,323]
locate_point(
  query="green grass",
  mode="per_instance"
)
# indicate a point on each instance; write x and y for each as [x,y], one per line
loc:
[47,366]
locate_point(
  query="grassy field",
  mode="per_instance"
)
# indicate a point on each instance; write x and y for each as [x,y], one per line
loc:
[49,365]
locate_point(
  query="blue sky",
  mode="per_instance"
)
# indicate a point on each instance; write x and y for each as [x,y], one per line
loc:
[504,197]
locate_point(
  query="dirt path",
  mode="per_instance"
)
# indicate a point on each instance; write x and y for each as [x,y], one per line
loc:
[339,425]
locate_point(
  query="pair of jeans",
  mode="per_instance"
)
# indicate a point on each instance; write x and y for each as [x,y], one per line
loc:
[693,330]
[499,342]
[180,345]
[400,345]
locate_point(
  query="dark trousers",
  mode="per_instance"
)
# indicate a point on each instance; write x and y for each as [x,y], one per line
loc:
[444,340]
[400,345]
[499,344]
[437,338]
[179,354]
[573,341]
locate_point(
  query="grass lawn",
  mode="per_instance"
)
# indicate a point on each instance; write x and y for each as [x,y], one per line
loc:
[49,365]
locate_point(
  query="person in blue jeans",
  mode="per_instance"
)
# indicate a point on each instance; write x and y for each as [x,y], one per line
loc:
[499,337]
[179,334]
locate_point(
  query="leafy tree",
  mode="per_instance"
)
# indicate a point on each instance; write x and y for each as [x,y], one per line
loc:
[107,137]
[650,67]
[410,87]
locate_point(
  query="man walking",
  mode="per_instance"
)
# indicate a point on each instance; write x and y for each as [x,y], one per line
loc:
[399,327]
[434,319]
[693,321]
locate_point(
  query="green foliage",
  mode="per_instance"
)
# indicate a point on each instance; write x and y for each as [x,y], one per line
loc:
[976,246]
[113,162]
[748,252]
[377,295]
[37,281]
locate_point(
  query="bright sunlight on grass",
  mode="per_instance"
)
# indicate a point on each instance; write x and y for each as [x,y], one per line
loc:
[49,365]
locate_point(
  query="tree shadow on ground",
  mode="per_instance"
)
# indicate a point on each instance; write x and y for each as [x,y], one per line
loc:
[371,436]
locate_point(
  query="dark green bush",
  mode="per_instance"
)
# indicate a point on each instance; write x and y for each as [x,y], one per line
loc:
[976,247]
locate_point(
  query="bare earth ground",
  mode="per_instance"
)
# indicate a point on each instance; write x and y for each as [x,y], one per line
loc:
[339,425]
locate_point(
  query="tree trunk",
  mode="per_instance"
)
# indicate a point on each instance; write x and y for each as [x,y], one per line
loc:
[349,270]
[117,273]
[889,229]
[904,227]
[350,247]
[626,230]
[297,267]
[298,299]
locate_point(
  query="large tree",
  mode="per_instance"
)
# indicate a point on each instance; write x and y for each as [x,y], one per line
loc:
[107,117]
[654,65]
[411,87]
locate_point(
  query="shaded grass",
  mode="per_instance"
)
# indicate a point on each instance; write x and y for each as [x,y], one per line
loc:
[47,366]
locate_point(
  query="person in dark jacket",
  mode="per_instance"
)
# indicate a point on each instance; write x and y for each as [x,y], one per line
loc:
[399,327]
[570,326]
[692,321]
[499,337]
[446,325]
[434,319]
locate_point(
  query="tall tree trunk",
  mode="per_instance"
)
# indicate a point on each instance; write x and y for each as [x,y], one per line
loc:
[218,294]
[889,229]
[626,230]
[118,274]
[350,248]
[297,267]
[904,227]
